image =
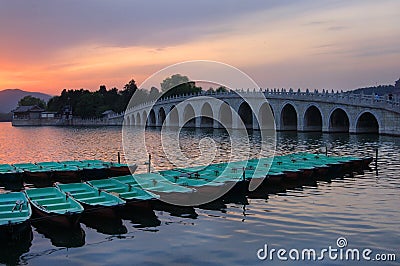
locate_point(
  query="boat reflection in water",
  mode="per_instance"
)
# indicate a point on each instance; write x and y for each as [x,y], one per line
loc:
[71,238]
[12,249]
[111,225]
[139,218]
[174,210]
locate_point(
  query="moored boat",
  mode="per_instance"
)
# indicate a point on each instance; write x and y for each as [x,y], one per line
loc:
[133,195]
[9,174]
[33,173]
[119,169]
[55,206]
[61,172]
[15,212]
[157,184]
[95,201]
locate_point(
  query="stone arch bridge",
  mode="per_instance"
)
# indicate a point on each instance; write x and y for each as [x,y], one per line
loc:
[292,111]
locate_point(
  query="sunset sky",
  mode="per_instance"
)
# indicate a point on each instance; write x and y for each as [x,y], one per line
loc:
[50,45]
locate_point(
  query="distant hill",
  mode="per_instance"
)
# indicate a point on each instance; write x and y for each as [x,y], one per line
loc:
[380,90]
[9,98]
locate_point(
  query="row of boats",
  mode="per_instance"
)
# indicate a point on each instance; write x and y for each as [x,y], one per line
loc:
[71,171]
[64,203]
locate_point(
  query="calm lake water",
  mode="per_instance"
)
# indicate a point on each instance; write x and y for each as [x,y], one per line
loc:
[363,209]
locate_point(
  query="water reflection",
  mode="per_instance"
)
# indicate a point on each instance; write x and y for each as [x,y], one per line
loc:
[105,225]
[179,211]
[61,237]
[140,218]
[13,246]
[303,214]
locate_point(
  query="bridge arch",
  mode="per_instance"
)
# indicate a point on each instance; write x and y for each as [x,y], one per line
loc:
[138,119]
[339,120]
[266,116]
[367,122]
[173,117]
[207,117]
[144,118]
[246,114]
[189,118]
[132,120]
[161,116]
[225,116]
[313,119]
[151,120]
[289,117]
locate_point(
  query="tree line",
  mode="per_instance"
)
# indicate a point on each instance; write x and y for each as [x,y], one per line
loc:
[90,104]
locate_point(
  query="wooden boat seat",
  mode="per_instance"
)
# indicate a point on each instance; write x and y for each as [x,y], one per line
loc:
[92,199]
[57,206]
[41,196]
[8,207]
[83,195]
[50,201]
[77,191]
[8,203]
[105,187]
[116,190]
[10,214]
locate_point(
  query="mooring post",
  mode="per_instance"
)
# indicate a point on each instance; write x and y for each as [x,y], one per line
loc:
[244,173]
[119,157]
[376,158]
[149,163]
[326,150]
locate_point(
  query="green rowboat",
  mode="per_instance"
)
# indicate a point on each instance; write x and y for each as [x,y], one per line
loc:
[89,196]
[55,206]
[14,209]
[126,192]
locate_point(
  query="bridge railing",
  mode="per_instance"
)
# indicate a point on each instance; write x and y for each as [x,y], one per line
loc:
[391,103]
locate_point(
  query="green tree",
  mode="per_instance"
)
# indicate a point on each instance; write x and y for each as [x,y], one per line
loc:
[222,89]
[211,90]
[153,94]
[173,81]
[178,85]
[29,100]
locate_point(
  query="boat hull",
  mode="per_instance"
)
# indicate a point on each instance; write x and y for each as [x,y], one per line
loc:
[104,212]
[274,179]
[68,220]
[33,177]
[291,175]
[66,176]
[119,171]
[93,174]
[11,177]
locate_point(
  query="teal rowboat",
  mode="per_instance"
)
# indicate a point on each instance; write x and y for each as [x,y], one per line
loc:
[126,192]
[95,201]
[14,208]
[119,169]
[152,182]
[33,172]
[15,213]
[55,206]
[61,172]
[9,174]
[133,195]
